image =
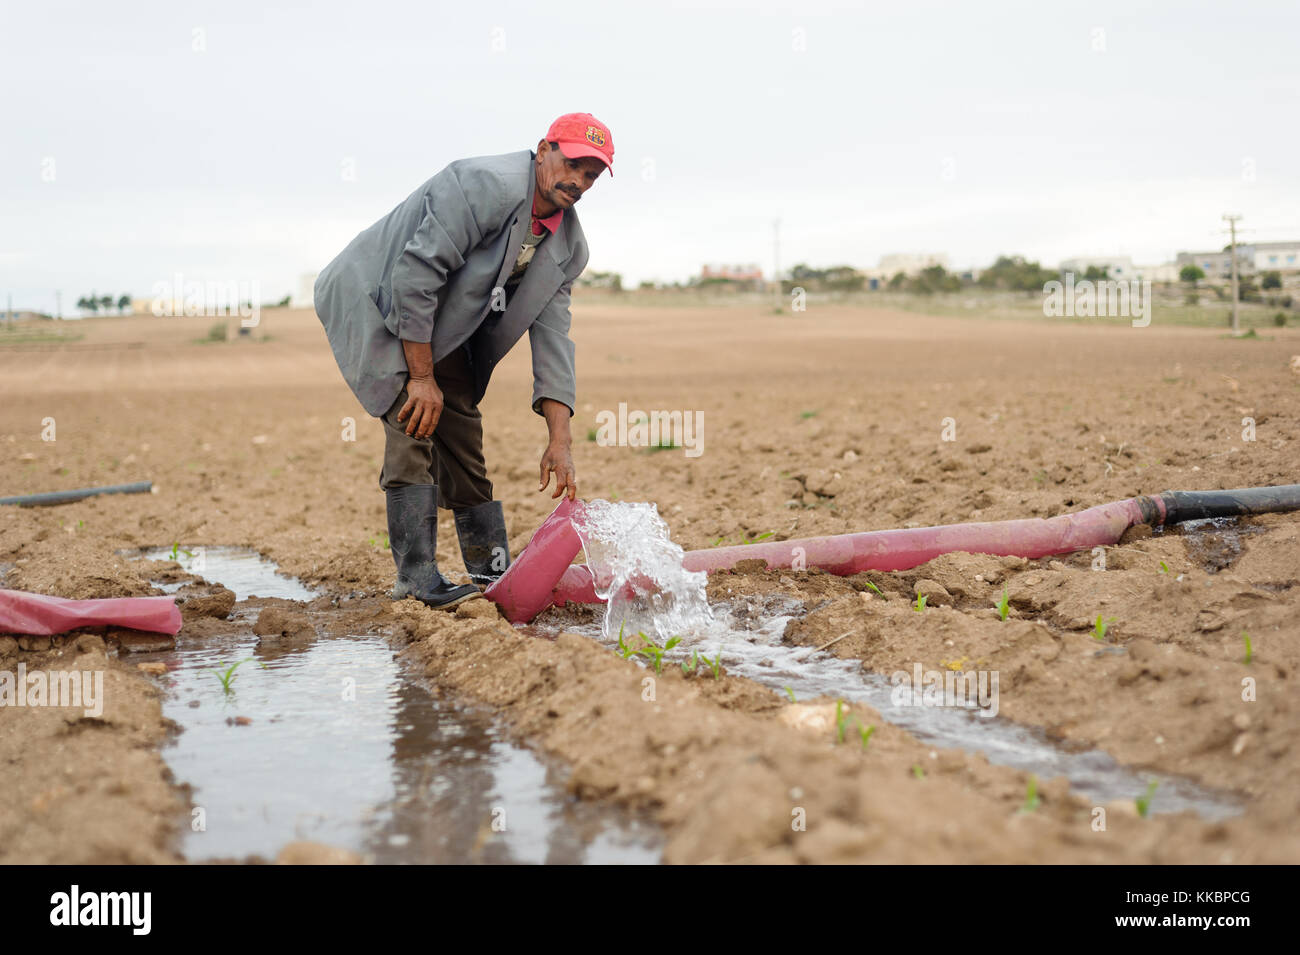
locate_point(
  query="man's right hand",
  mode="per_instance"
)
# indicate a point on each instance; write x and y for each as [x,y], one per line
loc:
[423,404]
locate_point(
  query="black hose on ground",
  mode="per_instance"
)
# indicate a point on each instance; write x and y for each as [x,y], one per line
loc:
[65,497]
[1198,505]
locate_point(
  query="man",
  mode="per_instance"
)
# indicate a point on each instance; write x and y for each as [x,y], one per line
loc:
[421,306]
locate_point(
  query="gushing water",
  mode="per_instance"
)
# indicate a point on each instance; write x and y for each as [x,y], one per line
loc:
[639,574]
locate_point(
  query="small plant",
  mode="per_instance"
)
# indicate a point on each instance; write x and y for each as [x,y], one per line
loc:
[790,693]
[665,444]
[1250,652]
[1032,801]
[865,732]
[1004,605]
[755,540]
[805,415]
[919,606]
[217,332]
[1164,568]
[917,771]
[1143,802]
[380,542]
[689,666]
[715,665]
[841,719]
[874,587]
[716,542]
[591,434]
[177,550]
[227,676]
[1100,627]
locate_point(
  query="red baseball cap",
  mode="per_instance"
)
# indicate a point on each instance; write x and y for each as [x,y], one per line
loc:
[581,134]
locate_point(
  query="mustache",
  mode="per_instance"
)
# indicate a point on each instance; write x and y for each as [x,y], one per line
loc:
[570,192]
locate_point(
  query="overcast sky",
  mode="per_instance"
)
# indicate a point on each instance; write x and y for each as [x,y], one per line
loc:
[249,142]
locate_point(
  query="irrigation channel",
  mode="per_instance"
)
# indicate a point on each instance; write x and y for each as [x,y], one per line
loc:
[334,743]
[638,570]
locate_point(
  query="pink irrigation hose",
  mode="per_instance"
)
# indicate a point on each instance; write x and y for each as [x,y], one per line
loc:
[889,550]
[43,615]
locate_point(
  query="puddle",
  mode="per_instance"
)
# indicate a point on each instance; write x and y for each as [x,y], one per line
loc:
[333,743]
[1215,542]
[240,569]
[341,748]
[636,571]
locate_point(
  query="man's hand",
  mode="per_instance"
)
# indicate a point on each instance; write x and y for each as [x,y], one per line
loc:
[559,458]
[423,396]
[423,404]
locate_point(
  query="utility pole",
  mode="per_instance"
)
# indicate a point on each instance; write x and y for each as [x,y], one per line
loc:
[1232,221]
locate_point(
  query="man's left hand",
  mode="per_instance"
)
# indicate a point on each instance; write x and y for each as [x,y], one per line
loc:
[559,458]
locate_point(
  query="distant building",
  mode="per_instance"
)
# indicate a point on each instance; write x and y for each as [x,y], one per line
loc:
[306,294]
[1157,274]
[1117,267]
[909,263]
[732,273]
[1252,258]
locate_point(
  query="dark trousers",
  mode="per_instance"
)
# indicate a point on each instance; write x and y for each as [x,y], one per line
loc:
[453,457]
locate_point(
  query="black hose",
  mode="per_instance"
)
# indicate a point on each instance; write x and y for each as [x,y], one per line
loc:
[64,497]
[1198,505]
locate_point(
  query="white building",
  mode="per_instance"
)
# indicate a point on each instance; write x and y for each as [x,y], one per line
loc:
[306,294]
[909,263]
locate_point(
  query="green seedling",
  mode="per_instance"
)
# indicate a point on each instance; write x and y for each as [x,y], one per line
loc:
[688,666]
[1143,802]
[755,540]
[919,606]
[805,415]
[874,587]
[665,444]
[1004,605]
[790,693]
[1250,652]
[177,549]
[227,676]
[653,652]
[715,665]
[591,434]
[841,719]
[1100,627]
[865,732]
[1032,801]
[1164,568]
[917,771]
[716,542]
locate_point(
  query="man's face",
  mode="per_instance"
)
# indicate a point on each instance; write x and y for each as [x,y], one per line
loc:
[561,180]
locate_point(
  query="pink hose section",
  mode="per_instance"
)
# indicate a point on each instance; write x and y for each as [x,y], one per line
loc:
[42,615]
[847,554]
[524,590]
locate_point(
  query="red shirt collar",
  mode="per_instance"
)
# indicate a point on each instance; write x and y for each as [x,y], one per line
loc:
[551,222]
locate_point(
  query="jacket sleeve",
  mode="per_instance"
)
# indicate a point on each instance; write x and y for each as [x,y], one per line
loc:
[446,234]
[553,351]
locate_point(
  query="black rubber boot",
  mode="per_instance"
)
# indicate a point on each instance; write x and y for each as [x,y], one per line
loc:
[483,541]
[413,536]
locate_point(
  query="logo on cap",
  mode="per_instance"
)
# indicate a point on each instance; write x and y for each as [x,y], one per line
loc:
[595,135]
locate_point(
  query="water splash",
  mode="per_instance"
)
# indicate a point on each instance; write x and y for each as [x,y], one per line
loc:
[638,572]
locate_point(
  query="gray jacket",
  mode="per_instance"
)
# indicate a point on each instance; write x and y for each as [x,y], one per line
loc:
[427,271]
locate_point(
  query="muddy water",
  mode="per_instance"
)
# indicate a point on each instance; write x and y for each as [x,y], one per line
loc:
[240,569]
[1215,542]
[642,572]
[334,743]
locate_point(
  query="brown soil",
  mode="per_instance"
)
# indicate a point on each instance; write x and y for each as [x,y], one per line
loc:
[824,422]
